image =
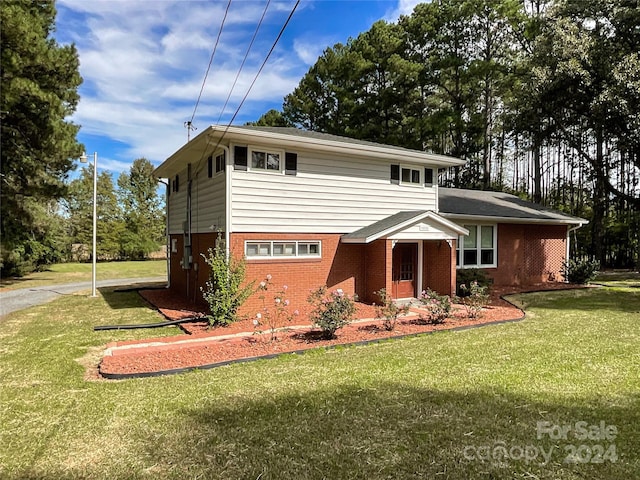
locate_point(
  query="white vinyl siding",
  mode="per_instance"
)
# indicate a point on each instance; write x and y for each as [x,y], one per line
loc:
[328,195]
[207,203]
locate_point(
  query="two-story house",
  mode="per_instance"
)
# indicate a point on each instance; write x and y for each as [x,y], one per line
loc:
[313,209]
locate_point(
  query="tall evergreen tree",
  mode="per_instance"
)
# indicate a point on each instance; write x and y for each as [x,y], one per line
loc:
[38,91]
[142,211]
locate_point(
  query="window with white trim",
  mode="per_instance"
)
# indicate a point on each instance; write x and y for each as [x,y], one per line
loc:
[275,249]
[266,160]
[478,249]
[410,175]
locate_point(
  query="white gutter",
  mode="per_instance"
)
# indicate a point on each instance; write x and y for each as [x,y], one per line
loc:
[496,219]
[568,252]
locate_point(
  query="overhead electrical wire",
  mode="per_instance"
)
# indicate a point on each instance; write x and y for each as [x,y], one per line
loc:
[213,53]
[255,78]
[246,55]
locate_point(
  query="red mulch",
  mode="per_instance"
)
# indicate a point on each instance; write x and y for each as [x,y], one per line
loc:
[173,352]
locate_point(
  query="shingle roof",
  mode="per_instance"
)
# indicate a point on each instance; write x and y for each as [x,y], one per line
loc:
[455,202]
[396,222]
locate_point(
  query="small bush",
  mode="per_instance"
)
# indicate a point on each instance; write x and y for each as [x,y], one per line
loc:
[475,299]
[437,306]
[580,271]
[223,291]
[466,276]
[277,314]
[331,311]
[389,310]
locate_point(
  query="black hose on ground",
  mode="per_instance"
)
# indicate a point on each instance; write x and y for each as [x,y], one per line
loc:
[168,323]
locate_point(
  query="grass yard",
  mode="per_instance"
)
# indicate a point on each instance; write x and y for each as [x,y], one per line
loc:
[81,272]
[437,406]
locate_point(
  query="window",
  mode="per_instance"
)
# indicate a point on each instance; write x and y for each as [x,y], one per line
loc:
[262,160]
[240,158]
[407,175]
[410,176]
[428,177]
[282,249]
[478,249]
[220,163]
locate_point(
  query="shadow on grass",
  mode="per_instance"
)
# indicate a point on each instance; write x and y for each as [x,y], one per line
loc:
[382,430]
[589,299]
[128,297]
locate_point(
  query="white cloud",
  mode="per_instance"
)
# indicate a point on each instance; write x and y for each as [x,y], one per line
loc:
[309,51]
[143,64]
[404,7]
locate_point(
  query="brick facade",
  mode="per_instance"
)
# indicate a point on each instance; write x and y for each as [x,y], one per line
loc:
[439,266]
[529,254]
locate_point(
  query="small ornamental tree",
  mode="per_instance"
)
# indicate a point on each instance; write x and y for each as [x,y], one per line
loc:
[437,306]
[475,299]
[223,291]
[389,311]
[276,314]
[331,310]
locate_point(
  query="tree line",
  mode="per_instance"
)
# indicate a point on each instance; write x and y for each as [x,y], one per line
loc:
[540,97]
[42,211]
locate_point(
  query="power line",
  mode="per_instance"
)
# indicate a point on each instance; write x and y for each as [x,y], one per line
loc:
[189,124]
[226,129]
[255,34]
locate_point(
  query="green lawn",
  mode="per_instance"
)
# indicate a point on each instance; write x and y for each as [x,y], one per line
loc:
[427,407]
[81,272]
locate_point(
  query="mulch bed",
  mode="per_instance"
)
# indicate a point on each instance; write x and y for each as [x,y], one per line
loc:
[181,351]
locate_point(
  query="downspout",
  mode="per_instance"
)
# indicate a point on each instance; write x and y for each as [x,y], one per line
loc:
[167,234]
[568,252]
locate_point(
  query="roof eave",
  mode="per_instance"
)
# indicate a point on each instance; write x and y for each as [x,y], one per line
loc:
[497,219]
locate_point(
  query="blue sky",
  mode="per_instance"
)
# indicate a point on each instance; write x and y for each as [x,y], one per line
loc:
[143,63]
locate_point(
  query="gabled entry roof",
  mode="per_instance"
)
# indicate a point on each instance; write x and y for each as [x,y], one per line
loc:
[430,225]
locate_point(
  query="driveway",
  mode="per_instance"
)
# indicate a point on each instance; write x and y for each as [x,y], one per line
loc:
[14,300]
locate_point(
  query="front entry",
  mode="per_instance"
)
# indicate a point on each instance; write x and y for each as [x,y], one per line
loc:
[404,270]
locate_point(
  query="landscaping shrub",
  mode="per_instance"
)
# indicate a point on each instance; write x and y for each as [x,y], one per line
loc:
[580,271]
[331,310]
[466,276]
[438,306]
[389,310]
[223,291]
[277,314]
[475,299]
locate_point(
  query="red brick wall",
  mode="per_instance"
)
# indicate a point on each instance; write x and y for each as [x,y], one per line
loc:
[529,254]
[439,266]
[188,282]
[341,266]
[377,269]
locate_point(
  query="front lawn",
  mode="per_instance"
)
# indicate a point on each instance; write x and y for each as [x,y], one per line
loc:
[81,272]
[460,405]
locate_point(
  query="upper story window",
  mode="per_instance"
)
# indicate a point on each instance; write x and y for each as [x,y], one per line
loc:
[266,160]
[412,175]
[263,160]
[274,249]
[478,249]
